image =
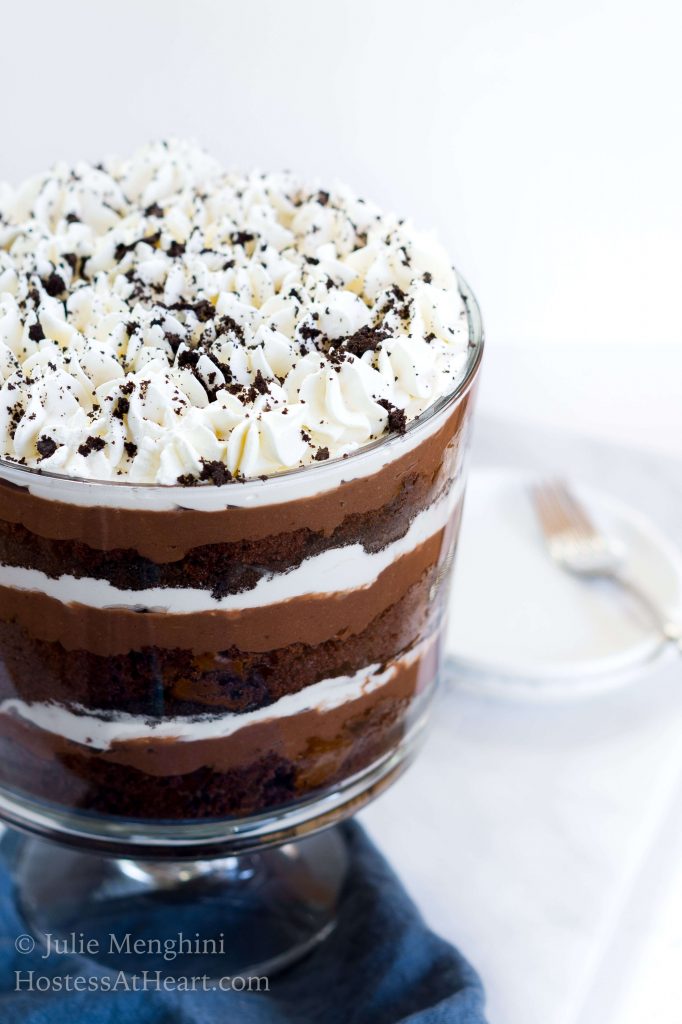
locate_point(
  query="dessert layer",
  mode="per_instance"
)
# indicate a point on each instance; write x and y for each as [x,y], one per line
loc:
[312,619]
[333,570]
[156,682]
[106,730]
[65,510]
[258,766]
[165,321]
[91,784]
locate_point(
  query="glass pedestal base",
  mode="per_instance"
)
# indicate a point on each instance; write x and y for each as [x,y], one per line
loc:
[245,915]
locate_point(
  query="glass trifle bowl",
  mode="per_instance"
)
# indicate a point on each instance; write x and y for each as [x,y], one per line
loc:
[195,674]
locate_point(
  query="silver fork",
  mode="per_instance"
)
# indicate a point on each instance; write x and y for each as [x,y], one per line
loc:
[576,544]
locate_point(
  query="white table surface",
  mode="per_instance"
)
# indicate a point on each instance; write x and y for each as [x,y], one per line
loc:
[545,841]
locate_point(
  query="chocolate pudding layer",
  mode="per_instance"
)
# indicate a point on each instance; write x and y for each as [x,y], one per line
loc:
[234,417]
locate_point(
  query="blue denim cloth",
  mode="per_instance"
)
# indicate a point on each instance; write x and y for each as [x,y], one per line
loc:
[381,965]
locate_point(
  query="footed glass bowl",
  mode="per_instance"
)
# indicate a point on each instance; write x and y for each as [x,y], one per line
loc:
[196,682]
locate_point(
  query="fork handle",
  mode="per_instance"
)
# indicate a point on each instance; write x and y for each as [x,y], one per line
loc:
[669,629]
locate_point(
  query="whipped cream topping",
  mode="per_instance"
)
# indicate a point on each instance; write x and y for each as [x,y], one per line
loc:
[165,321]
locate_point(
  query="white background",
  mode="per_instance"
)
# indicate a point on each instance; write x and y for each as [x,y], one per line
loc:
[543,140]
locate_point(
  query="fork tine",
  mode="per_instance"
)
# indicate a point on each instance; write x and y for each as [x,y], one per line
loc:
[560,515]
[544,510]
[575,510]
[553,518]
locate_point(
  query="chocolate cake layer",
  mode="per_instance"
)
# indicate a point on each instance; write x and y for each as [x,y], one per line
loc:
[312,619]
[259,766]
[157,682]
[167,536]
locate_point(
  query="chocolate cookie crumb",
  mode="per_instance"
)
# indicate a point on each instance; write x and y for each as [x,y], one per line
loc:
[367,339]
[46,446]
[122,407]
[91,444]
[241,237]
[188,359]
[397,420]
[216,472]
[260,383]
[54,285]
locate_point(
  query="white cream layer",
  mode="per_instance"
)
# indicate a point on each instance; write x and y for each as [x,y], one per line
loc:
[333,571]
[100,732]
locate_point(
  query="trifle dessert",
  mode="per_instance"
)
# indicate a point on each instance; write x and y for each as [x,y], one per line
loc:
[233,420]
